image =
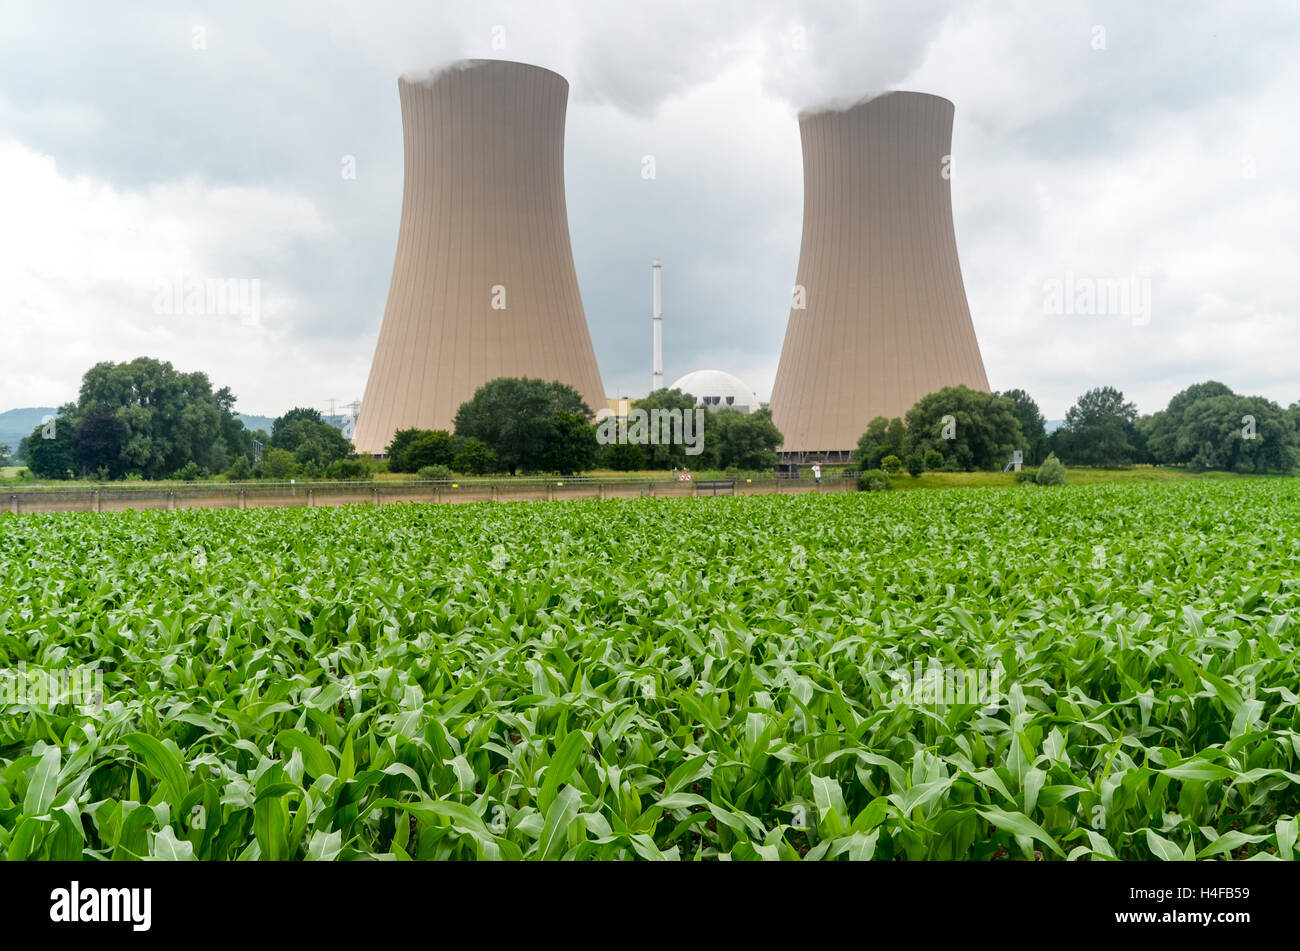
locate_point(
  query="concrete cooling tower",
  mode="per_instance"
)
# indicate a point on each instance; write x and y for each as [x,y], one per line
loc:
[483,284]
[879,317]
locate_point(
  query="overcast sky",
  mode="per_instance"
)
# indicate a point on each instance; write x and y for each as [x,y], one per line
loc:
[149,142]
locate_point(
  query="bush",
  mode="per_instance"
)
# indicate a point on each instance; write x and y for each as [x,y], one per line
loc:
[624,457]
[915,464]
[1051,472]
[873,480]
[933,459]
[1026,476]
[952,464]
[280,464]
[891,464]
[354,468]
[191,471]
[427,448]
[474,457]
[435,473]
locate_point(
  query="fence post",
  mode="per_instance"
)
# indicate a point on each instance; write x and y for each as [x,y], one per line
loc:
[374,491]
[171,499]
[97,505]
[311,499]
[14,499]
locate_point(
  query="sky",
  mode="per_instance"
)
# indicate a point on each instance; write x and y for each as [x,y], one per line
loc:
[146,145]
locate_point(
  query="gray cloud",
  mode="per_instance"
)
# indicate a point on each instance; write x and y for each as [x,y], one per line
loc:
[1165,153]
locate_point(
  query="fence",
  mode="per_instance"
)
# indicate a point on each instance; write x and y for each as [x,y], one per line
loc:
[117,498]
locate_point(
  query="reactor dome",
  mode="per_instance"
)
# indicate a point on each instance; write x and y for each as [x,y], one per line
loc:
[717,390]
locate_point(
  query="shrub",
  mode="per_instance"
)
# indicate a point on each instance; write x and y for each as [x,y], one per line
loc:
[354,468]
[933,459]
[280,464]
[873,480]
[435,473]
[915,464]
[191,471]
[891,464]
[1026,476]
[1051,472]
[474,457]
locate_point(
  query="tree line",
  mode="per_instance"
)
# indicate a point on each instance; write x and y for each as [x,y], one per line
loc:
[1206,426]
[144,419]
[529,426]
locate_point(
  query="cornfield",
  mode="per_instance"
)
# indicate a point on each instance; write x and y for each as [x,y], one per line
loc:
[729,678]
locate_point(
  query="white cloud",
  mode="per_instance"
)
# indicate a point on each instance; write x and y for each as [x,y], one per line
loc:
[82,264]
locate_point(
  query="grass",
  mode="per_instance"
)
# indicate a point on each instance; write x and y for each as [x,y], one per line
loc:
[711,678]
[1076,476]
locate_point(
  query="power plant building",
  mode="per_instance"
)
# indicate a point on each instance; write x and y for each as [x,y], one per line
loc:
[483,283]
[879,316]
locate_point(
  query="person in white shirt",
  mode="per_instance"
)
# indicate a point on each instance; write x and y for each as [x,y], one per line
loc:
[817,473]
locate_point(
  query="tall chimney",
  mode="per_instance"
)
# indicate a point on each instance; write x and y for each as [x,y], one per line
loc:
[658,321]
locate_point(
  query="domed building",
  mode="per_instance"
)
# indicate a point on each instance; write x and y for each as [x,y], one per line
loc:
[717,390]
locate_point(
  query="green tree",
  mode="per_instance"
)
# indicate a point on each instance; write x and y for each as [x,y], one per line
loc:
[1032,425]
[892,464]
[519,419]
[667,455]
[915,464]
[4,454]
[971,428]
[1100,430]
[170,417]
[97,444]
[280,463]
[933,459]
[624,457]
[1209,426]
[573,448]
[49,449]
[396,450]
[736,440]
[312,441]
[884,437]
[429,447]
[474,457]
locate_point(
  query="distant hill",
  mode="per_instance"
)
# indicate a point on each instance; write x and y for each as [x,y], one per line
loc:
[17,424]
[256,422]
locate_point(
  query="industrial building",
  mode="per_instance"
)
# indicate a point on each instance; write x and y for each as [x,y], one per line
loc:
[717,389]
[483,283]
[879,316]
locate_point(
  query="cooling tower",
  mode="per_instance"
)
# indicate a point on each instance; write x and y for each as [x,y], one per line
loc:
[483,283]
[883,318]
